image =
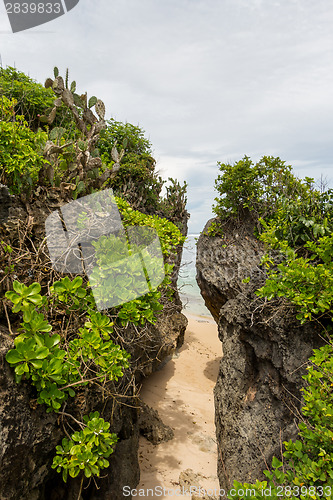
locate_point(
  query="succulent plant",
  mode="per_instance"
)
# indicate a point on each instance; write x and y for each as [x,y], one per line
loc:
[100,109]
[48,83]
[58,85]
[86,169]
[92,101]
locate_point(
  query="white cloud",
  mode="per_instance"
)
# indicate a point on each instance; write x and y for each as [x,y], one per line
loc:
[207,80]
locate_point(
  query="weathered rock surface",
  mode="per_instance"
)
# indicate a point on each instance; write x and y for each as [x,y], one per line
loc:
[34,432]
[28,435]
[257,394]
[152,427]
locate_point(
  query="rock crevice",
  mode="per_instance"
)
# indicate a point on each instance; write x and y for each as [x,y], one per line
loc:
[258,390]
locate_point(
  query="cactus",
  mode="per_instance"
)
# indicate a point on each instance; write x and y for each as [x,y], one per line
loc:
[52,115]
[92,101]
[100,109]
[77,101]
[68,98]
[48,83]
[89,116]
[58,102]
[50,118]
[84,98]
[58,85]
[56,133]
[86,168]
[116,156]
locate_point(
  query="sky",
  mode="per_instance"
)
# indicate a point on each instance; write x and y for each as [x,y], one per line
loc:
[208,81]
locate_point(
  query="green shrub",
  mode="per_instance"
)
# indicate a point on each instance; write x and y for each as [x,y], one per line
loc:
[305,282]
[111,249]
[87,450]
[32,99]
[55,366]
[296,221]
[256,188]
[20,151]
[130,137]
[169,234]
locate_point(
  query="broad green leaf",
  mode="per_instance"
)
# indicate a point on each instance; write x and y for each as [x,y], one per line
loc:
[13,356]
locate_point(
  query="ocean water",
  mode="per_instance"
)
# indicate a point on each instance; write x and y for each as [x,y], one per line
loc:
[188,289]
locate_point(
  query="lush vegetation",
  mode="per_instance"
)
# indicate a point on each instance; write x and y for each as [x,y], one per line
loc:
[256,187]
[306,282]
[111,249]
[54,365]
[53,145]
[57,366]
[20,149]
[31,98]
[74,146]
[87,450]
[295,221]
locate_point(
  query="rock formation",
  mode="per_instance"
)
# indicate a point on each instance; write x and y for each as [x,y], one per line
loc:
[257,394]
[28,435]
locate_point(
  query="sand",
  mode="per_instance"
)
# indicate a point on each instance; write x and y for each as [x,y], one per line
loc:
[182,392]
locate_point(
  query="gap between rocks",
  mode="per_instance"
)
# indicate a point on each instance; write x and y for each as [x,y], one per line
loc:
[182,393]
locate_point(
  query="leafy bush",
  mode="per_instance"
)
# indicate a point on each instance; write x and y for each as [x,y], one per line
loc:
[87,450]
[305,282]
[32,99]
[296,221]
[112,249]
[136,180]
[169,234]
[118,271]
[256,188]
[20,150]
[55,366]
[130,137]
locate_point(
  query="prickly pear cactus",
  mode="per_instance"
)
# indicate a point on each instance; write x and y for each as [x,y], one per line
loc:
[100,109]
[89,125]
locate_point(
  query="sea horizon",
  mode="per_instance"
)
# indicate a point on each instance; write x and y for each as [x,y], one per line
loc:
[189,290]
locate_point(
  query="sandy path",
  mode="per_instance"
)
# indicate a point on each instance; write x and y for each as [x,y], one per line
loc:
[182,392]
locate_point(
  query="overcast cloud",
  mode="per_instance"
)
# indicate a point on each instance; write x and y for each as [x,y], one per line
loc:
[207,80]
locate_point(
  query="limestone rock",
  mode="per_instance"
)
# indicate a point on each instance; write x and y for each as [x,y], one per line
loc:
[28,435]
[257,394]
[152,427]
